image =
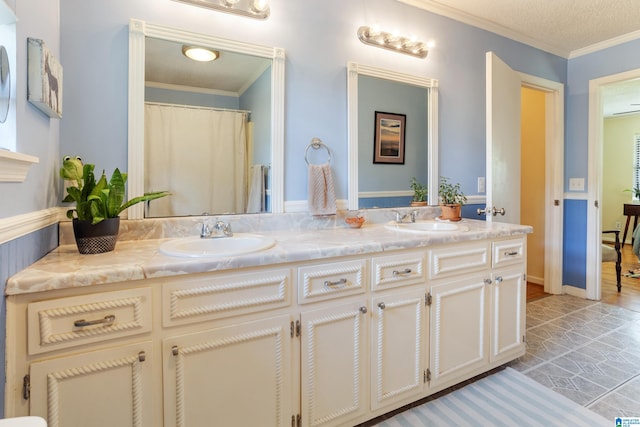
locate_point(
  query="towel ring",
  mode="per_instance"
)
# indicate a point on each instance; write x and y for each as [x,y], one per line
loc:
[316,144]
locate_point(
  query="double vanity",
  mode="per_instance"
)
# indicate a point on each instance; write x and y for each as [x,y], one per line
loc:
[293,321]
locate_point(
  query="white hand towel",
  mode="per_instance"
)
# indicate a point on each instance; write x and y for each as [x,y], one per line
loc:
[321,195]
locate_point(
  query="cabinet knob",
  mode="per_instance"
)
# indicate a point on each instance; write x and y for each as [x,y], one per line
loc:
[487,281]
[499,279]
[363,309]
[382,306]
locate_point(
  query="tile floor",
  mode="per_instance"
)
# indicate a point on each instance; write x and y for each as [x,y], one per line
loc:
[585,350]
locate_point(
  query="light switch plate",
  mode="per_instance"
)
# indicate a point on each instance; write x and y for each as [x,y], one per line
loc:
[576,184]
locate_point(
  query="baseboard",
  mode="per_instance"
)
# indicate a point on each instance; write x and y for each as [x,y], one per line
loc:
[573,291]
[535,280]
[17,226]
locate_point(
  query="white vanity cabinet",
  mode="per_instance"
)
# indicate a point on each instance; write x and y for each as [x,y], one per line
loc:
[334,342]
[314,343]
[239,375]
[59,367]
[399,328]
[478,296]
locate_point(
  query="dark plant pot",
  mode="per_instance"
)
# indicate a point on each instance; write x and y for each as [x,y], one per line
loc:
[96,238]
[451,212]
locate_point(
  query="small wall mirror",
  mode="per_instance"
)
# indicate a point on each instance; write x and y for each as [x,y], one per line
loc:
[211,133]
[376,94]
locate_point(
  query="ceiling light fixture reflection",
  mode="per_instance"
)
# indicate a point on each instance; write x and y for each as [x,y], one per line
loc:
[394,42]
[257,9]
[200,54]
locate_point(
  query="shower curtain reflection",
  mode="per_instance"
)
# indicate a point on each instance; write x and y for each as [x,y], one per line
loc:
[198,154]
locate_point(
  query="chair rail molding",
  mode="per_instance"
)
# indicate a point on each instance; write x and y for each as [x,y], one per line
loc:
[17,226]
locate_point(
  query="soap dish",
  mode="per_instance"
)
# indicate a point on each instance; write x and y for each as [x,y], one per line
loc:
[354,221]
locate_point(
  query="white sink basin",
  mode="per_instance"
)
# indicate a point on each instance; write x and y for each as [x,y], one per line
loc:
[196,247]
[422,226]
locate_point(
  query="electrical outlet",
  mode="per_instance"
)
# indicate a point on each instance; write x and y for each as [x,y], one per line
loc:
[618,225]
[481,188]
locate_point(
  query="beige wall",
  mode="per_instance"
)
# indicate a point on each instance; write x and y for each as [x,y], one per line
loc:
[532,189]
[617,169]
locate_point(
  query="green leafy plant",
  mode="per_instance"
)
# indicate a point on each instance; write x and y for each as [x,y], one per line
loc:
[635,191]
[419,191]
[450,193]
[97,200]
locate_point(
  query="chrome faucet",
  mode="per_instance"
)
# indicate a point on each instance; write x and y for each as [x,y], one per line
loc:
[219,229]
[407,217]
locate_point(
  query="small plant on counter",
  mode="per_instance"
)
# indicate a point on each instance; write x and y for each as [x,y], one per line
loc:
[450,194]
[419,191]
[97,201]
[96,219]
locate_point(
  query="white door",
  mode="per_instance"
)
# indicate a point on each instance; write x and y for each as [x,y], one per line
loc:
[399,330]
[104,388]
[230,376]
[334,353]
[503,141]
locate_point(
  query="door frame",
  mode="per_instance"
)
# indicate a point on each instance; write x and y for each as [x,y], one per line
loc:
[594,178]
[554,178]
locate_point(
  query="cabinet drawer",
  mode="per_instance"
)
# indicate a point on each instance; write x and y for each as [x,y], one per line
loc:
[391,271]
[459,259]
[68,322]
[508,252]
[223,295]
[332,280]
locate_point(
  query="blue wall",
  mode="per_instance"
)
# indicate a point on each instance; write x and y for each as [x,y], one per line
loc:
[15,256]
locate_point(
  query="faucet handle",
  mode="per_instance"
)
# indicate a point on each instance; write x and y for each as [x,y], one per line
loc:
[205,231]
[414,214]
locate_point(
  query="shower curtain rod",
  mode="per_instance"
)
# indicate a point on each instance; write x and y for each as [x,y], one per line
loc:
[198,107]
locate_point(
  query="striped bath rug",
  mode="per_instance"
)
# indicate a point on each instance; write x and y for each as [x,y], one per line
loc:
[506,398]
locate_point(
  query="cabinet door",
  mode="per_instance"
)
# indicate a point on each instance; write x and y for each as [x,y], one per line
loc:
[508,305]
[459,339]
[103,388]
[232,376]
[399,331]
[334,364]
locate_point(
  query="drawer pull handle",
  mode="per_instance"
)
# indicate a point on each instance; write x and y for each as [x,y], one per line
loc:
[329,283]
[107,321]
[363,309]
[512,253]
[382,306]
[397,273]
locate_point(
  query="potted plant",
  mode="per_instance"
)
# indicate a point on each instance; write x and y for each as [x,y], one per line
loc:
[419,193]
[98,204]
[635,191]
[451,199]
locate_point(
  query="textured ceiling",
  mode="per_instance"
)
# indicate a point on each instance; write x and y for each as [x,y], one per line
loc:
[563,27]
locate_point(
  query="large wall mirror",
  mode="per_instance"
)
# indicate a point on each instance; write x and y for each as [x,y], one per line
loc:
[211,133]
[413,99]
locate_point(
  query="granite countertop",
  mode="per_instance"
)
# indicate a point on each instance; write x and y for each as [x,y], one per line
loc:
[141,259]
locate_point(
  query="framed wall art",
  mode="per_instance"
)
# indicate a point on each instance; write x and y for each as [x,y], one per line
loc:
[388,144]
[44,83]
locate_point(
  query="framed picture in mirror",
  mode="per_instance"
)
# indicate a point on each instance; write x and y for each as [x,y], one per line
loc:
[388,144]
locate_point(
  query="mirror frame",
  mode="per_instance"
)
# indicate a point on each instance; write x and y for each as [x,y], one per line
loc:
[353,71]
[138,30]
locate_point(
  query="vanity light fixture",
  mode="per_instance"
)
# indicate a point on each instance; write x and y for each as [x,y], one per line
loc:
[374,37]
[200,54]
[258,9]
